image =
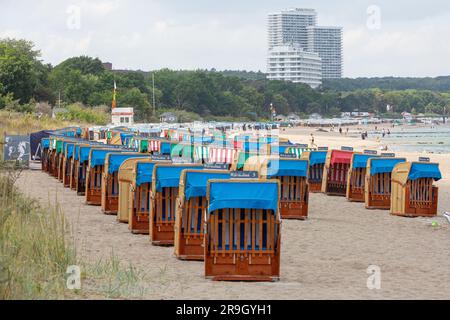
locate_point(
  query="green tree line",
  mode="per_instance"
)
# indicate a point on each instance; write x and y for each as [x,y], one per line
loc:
[208,94]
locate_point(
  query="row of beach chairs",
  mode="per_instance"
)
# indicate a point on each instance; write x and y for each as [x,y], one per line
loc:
[229,215]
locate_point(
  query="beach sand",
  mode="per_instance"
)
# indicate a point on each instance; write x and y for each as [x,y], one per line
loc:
[325,257]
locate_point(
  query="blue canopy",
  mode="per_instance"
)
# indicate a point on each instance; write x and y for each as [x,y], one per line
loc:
[243,195]
[360,160]
[84,153]
[144,173]
[169,176]
[287,168]
[424,170]
[196,182]
[98,156]
[384,165]
[64,146]
[116,160]
[70,147]
[125,137]
[317,157]
[45,143]
[165,148]
[75,152]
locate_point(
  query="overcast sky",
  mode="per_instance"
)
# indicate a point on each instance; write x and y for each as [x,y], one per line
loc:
[411,39]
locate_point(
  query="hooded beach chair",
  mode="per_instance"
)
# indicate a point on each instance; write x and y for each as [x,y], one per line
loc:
[55,153]
[67,163]
[293,177]
[317,161]
[413,192]
[242,240]
[110,184]
[378,182]
[135,184]
[94,174]
[45,150]
[191,207]
[80,161]
[165,185]
[357,176]
[335,172]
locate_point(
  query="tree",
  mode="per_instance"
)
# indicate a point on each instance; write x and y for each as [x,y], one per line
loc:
[134,98]
[19,68]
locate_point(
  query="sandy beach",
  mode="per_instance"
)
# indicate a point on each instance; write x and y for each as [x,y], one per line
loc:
[325,257]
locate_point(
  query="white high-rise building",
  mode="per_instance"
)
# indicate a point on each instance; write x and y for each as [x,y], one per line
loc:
[327,42]
[292,63]
[296,32]
[290,27]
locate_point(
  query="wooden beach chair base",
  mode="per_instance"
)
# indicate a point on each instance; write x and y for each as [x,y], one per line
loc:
[191,249]
[356,195]
[111,205]
[315,187]
[294,210]
[162,235]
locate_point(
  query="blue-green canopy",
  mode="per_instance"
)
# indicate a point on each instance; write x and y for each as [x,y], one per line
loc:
[169,176]
[116,160]
[424,170]
[196,182]
[243,195]
[384,165]
[360,160]
[287,168]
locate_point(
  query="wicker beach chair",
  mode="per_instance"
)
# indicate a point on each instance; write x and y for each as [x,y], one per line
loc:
[378,182]
[242,240]
[413,191]
[191,207]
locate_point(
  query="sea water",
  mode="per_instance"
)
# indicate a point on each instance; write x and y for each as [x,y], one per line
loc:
[419,139]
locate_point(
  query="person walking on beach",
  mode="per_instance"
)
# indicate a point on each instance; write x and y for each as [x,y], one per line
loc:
[346,132]
[340,131]
[312,141]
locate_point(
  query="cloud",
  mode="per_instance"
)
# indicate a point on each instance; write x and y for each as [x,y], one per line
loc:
[138,34]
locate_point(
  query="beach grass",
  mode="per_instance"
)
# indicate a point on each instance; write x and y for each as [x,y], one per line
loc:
[34,252]
[37,247]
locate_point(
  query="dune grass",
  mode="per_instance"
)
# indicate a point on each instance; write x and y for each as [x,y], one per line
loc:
[34,253]
[36,248]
